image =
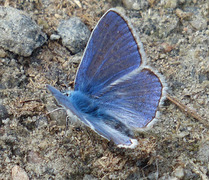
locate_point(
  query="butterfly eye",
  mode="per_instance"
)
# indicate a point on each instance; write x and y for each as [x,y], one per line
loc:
[67,93]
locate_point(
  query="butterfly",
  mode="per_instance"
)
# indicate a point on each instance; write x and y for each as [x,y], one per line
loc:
[115,92]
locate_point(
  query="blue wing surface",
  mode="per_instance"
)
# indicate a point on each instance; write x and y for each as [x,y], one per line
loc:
[111,53]
[134,99]
[113,130]
[95,117]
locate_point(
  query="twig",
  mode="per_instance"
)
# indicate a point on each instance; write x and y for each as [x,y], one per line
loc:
[187,110]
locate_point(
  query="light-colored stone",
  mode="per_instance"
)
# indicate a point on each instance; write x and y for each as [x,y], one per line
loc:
[19,33]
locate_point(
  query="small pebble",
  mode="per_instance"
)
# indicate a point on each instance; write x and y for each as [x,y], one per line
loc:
[199,22]
[135,4]
[170,3]
[74,34]
[54,37]
[19,174]
[2,53]
[179,172]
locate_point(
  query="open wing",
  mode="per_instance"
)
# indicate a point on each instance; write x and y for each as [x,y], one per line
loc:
[104,124]
[113,129]
[112,52]
[134,99]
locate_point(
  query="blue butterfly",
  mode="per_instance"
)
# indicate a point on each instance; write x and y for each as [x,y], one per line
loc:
[115,91]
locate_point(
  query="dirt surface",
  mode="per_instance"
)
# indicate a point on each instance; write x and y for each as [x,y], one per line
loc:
[175,38]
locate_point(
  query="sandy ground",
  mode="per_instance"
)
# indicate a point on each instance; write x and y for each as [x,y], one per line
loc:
[175,38]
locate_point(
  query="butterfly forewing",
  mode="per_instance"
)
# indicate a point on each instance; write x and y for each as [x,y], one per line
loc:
[111,53]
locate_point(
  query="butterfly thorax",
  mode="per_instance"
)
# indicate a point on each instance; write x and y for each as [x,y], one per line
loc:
[84,104]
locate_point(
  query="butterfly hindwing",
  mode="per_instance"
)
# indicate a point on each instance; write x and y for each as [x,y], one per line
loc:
[134,99]
[112,129]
